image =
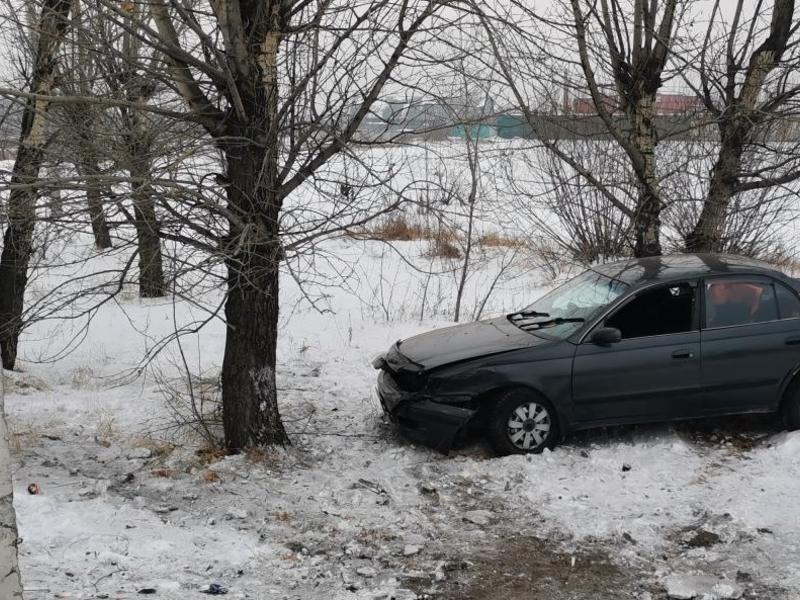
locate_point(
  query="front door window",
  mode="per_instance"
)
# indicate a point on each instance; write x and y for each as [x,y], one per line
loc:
[661,311]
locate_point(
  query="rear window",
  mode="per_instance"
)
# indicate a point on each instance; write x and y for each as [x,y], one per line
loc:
[731,303]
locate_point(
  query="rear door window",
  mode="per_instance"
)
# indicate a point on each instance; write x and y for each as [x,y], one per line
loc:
[740,302]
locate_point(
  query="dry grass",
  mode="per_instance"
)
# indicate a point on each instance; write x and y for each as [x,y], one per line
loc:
[209,476]
[22,439]
[498,240]
[105,428]
[159,448]
[444,245]
[397,228]
[164,473]
[269,457]
[209,454]
[372,536]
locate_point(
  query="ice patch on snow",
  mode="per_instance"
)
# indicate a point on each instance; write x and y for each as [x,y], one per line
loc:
[686,587]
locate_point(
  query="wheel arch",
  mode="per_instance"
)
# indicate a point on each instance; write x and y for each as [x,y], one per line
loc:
[486,401]
[788,385]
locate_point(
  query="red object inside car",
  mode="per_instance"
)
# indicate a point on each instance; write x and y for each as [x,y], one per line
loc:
[738,293]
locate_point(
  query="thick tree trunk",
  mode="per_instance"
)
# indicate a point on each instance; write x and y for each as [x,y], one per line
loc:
[17,250]
[647,218]
[18,238]
[249,392]
[707,235]
[738,120]
[10,584]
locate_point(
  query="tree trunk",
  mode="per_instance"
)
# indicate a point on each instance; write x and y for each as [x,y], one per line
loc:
[738,119]
[18,238]
[647,218]
[707,233]
[148,232]
[17,249]
[139,144]
[89,171]
[249,392]
[10,584]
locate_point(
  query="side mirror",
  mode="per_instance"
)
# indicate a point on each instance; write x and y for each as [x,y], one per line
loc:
[605,336]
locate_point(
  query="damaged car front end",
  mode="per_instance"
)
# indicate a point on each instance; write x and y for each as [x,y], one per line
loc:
[434,385]
[405,394]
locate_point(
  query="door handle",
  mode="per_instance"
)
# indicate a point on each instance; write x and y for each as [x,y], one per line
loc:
[683,354]
[793,341]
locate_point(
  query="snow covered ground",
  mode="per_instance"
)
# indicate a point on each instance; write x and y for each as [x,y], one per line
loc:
[129,508]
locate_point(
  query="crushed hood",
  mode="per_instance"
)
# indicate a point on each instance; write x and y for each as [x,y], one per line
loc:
[462,342]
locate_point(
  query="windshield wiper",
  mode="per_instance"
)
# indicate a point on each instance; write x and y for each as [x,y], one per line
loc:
[523,314]
[556,321]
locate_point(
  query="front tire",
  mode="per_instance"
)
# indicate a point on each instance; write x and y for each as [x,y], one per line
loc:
[522,422]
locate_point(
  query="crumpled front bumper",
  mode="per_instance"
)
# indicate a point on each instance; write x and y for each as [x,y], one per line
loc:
[421,419]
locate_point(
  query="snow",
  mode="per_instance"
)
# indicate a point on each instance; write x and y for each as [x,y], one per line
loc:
[351,510]
[686,587]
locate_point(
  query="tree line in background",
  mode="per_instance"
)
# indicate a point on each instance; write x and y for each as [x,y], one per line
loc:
[209,144]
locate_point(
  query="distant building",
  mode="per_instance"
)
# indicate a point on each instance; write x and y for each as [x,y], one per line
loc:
[437,113]
[586,106]
[666,105]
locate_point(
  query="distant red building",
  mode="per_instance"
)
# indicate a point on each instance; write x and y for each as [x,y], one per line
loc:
[677,104]
[585,106]
[666,105]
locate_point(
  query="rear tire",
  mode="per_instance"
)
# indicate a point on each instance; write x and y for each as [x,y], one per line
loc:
[522,422]
[790,407]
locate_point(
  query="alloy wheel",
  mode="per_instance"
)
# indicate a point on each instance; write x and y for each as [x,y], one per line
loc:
[528,426]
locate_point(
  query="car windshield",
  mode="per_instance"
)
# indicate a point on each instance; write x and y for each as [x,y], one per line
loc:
[559,313]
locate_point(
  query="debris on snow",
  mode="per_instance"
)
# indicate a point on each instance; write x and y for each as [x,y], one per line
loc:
[703,539]
[236,513]
[214,589]
[427,488]
[366,571]
[140,453]
[478,517]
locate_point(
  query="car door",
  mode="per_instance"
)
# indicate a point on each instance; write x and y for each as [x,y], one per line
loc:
[654,371]
[750,342]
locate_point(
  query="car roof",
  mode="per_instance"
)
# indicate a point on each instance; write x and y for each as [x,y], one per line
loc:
[680,266]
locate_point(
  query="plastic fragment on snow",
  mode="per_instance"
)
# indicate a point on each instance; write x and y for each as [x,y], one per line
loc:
[214,589]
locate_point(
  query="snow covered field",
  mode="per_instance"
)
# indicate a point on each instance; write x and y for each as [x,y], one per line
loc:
[129,508]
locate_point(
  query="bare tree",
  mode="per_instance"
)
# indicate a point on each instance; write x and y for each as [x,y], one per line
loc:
[282,88]
[749,97]
[621,54]
[107,61]
[18,236]
[637,55]
[78,76]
